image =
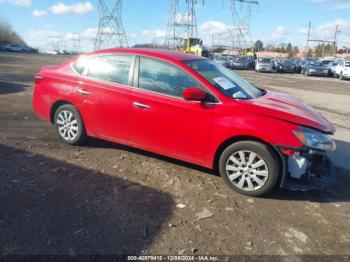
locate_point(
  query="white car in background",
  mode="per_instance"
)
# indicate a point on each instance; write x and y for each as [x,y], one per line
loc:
[342,70]
[264,64]
[15,48]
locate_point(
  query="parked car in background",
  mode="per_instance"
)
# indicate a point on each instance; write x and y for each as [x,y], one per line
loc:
[242,63]
[15,48]
[31,50]
[297,63]
[20,48]
[343,70]
[331,67]
[285,66]
[315,68]
[189,108]
[264,64]
[222,60]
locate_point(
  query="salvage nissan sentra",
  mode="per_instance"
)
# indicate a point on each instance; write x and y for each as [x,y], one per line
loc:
[192,109]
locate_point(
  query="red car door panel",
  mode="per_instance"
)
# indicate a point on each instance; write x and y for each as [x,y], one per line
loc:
[107,109]
[106,96]
[170,126]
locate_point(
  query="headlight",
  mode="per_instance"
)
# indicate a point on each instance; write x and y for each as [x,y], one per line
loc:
[315,140]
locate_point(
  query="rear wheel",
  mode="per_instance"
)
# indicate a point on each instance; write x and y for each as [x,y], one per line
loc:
[250,168]
[69,125]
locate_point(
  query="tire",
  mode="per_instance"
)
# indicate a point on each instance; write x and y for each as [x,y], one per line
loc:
[259,184]
[69,125]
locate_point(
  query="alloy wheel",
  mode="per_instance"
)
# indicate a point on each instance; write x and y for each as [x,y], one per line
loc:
[247,170]
[67,125]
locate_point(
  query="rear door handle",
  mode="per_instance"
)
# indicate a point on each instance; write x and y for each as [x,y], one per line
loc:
[142,106]
[83,92]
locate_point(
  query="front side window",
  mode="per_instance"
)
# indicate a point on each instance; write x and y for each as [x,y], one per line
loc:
[225,80]
[164,78]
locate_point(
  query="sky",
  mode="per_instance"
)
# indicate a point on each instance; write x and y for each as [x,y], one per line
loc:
[41,23]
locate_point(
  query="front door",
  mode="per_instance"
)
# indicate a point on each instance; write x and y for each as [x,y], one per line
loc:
[162,121]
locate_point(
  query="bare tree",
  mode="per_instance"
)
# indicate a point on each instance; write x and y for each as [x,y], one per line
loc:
[8,35]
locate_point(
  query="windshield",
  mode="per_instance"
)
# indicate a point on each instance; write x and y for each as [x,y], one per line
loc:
[240,59]
[225,80]
[316,63]
[221,58]
[264,60]
[287,62]
[194,41]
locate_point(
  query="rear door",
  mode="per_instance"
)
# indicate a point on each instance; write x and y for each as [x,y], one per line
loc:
[105,93]
[162,121]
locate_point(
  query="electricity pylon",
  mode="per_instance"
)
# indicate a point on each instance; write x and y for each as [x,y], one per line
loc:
[76,42]
[182,23]
[241,14]
[110,31]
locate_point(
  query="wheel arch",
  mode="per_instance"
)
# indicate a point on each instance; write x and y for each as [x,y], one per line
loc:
[235,139]
[55,106]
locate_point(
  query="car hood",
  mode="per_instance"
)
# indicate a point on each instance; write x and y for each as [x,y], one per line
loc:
[288,108]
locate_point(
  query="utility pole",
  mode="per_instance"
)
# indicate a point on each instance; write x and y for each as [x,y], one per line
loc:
[308,36]
[76,42]
[323,41]
[182,22]
[110,31]
[335,40]
[241,11]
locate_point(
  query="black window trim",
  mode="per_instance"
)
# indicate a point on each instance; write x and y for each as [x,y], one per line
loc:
[137,72]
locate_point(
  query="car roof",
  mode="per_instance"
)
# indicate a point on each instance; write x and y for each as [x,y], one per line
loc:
[161,53]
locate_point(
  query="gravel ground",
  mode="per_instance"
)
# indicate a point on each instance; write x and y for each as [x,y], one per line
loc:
[105,198]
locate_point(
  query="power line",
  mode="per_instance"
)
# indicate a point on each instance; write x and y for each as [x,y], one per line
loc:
[182,23]
[241,11]
[110,31]
[323,41]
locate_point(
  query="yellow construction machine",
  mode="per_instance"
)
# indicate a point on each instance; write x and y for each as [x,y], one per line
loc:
[192,46]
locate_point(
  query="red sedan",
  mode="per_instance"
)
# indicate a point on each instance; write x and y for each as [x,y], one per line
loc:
[189,108]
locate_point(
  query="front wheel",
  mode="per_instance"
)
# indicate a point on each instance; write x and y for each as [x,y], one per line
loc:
[69,125]
[250,168]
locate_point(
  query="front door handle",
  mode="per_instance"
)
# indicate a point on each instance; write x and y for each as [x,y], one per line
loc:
[83,92]
[142,106]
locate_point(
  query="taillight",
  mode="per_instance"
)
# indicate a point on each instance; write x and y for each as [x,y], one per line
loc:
[38,79]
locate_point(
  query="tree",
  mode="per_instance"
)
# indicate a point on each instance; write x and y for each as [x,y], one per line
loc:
[289,50]
[8,35]
[258,46]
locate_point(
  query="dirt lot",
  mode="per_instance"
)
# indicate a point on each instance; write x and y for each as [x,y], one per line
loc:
[105,198]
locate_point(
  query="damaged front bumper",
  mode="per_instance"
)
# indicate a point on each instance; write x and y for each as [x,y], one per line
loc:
[307,170]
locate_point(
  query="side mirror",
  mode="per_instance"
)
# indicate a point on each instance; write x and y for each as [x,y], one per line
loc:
[194,94]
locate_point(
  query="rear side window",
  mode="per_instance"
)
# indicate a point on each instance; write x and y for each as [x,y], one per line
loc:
[164,78]
[111,68]
[81,66]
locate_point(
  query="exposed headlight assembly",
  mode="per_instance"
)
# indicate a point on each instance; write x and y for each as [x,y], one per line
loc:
[315,140]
